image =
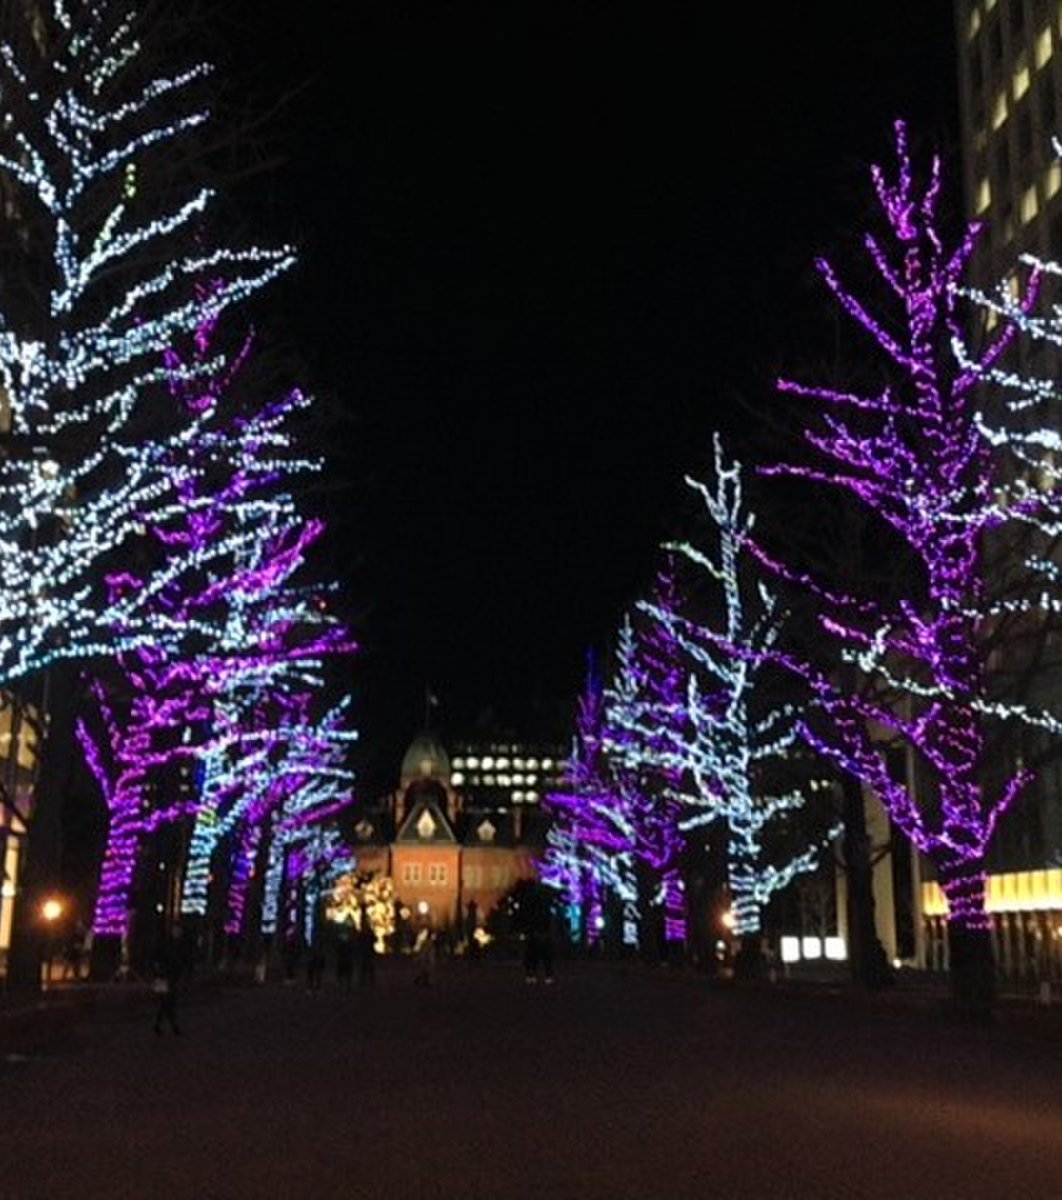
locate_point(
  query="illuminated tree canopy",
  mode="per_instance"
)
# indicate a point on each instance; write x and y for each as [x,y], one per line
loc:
[105,275]
[914,672]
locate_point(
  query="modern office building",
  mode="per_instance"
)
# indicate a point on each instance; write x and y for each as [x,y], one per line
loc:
[507,773]
[1010,108]
[1010,101]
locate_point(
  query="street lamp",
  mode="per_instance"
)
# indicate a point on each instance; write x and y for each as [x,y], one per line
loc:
[52,910]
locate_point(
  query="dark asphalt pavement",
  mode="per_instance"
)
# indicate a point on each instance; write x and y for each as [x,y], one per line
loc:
[616,1082]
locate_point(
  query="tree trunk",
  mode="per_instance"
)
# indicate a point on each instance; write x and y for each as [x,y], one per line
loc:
[972,964]
[867,959]
[750,963]
[973,971]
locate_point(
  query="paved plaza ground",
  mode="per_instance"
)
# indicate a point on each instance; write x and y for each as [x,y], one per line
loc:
[616,1082]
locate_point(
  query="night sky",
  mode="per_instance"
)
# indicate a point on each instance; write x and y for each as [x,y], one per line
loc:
[546,250]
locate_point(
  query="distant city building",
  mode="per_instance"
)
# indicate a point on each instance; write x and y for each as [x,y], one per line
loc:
[507,773]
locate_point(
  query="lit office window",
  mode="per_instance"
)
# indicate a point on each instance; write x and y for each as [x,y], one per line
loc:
[1042,52]
[1020,82]
[1030,206]
[984,196]
[1052,180]
[975,23]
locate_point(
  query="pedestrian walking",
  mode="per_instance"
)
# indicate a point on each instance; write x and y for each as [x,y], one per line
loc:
[344,961]
[166,973]
[366,951]
[425,952]
[535,921]
[315,967]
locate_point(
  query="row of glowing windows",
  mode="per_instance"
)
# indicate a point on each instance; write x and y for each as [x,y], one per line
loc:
[439,874]
[519,796]
[459,777]
[1029,205]
[488,763]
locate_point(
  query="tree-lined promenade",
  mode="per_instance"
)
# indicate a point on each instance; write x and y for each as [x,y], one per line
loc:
[618,1081]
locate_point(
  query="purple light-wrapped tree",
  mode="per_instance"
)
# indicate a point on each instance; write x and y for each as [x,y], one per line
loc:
[736,735]
[912,673]
[255,632]
[305,853]
[585,860]
[644,700]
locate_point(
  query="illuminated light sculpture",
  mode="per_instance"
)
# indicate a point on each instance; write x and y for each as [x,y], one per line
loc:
[914,671]
[94,446]
[733,735]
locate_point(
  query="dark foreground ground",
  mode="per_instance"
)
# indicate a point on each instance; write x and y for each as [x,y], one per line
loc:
[613,1083]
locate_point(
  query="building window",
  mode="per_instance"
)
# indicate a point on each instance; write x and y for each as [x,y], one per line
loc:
[473,877]
[437,874]
[974,28]
[1020,82]
[411,873]
[1053,180]
[1029,205]
[499,876]
[999,110]
[1043,47]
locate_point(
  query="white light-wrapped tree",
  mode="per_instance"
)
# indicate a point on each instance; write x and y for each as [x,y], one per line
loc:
[642,701]
[102,276]
[103,267]
[737,736]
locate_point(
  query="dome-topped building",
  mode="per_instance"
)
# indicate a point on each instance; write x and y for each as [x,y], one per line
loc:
[426,758]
